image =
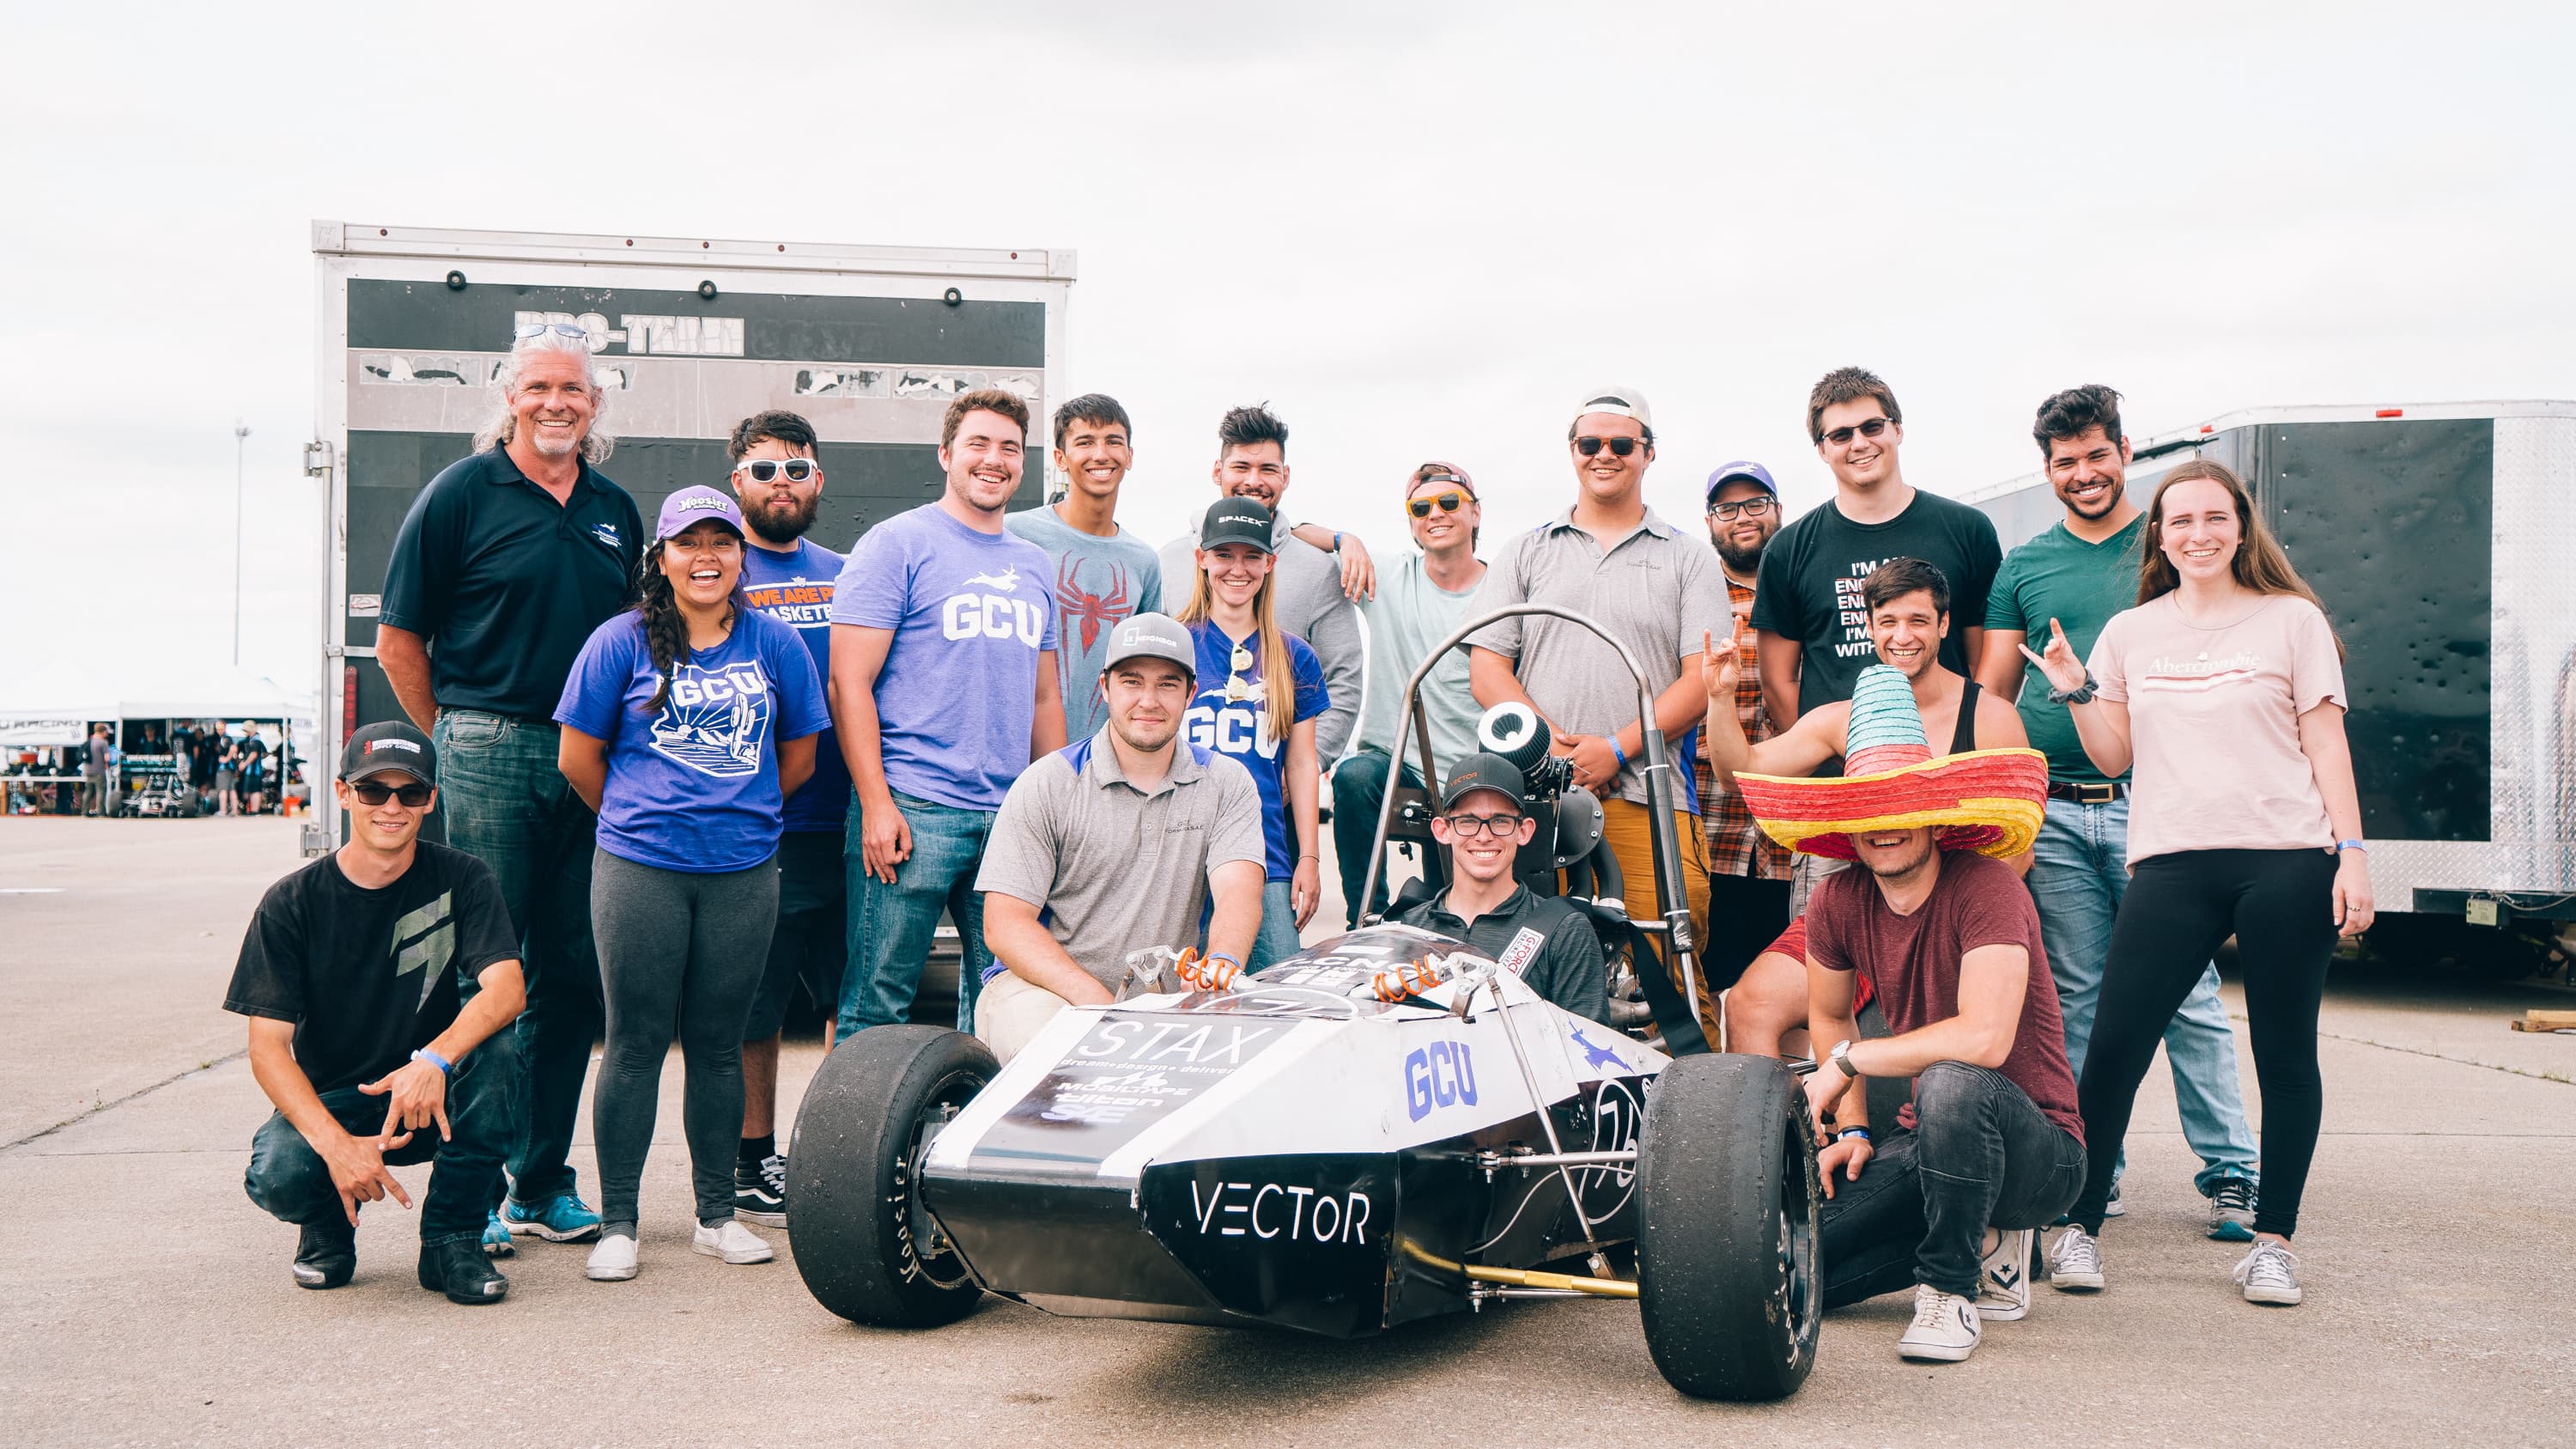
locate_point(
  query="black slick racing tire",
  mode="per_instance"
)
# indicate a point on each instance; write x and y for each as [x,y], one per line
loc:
[1728,1280]
[865,1246]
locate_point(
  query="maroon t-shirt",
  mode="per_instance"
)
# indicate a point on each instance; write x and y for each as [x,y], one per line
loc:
[1914,962]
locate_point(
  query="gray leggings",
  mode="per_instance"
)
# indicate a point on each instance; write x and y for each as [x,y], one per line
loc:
[675,946]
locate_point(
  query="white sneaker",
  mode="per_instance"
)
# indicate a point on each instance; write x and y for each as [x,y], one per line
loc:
[1945,1327]
[613,1260]
[732,1242]
[2270,1273]
[2075,1262]
[2003,1277]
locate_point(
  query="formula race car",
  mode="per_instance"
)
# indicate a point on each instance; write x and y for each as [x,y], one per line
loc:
[1384,1127]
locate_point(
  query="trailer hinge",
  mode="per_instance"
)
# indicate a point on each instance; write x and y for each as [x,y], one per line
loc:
[317,460]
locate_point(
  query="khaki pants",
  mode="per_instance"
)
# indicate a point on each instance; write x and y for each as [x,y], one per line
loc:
[1627,826]
[1011,1012]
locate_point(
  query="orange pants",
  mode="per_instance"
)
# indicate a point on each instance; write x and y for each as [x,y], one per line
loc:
[1625,824]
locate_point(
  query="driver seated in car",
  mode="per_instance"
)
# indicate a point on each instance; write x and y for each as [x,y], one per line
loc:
[1117,842]
[1484,820]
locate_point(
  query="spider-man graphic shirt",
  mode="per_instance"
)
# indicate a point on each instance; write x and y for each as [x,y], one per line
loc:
[1099,582]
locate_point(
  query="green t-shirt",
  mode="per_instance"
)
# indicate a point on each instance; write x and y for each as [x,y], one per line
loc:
[2080,585]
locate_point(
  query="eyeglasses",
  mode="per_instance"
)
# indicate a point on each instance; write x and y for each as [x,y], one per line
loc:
[762,470]
[1748,507]
[1870,429]
[376,792]
[1468,827]
[1619,447]
[1450,502]
[526,330]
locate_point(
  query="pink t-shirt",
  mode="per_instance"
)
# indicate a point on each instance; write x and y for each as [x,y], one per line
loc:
[2214,723]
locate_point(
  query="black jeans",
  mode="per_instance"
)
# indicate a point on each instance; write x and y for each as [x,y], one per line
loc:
[1359,793]
[290,1182]
[1981,1154]
[1745,914]
[811,941]
[2279,904]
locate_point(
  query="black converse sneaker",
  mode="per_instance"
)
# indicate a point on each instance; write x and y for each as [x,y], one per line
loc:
[326,1253]
[760,1191]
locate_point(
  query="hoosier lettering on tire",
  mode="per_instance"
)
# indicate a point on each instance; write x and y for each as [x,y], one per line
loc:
[1727,1228]
[865,1245]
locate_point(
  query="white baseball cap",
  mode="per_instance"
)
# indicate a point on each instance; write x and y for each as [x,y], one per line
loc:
[1625,402]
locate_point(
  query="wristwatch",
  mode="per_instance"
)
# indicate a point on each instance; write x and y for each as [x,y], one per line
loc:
[1841,1056]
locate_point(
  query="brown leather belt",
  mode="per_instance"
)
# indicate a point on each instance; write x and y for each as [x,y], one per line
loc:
[2086,794]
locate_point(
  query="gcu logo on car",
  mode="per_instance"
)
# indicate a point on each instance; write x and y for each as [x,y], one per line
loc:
[1440,1075]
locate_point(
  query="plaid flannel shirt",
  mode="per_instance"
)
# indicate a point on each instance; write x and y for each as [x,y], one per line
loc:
[1737,846]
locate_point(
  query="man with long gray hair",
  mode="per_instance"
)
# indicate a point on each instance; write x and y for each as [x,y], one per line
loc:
[505,564]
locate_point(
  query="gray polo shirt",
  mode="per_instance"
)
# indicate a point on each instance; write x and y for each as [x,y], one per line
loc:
[1309,603]
[1115,868]
[1656,590]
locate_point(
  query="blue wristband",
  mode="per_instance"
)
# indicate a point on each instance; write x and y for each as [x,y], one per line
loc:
[1221,956]
[1615,750]
[1860,1132]
[445,1067]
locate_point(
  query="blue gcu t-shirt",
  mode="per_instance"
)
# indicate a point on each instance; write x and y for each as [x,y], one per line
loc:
[971,612]
[796,589]
[1234,726]
[693,787]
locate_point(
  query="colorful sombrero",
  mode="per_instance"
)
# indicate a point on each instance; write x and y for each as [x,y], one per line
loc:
[1990,801]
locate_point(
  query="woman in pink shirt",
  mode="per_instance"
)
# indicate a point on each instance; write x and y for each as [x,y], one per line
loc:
[2223,691]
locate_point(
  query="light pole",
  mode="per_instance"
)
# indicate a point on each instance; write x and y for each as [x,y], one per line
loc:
[240,435]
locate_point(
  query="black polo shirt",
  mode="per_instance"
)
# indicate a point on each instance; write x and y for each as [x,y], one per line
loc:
[1561,960]
[507,584]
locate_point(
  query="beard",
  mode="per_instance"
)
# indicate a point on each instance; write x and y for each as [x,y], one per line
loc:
[1147,738]
[782,521]
[1742,560]
[1886,866]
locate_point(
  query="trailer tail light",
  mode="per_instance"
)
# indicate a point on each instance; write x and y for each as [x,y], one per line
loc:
[2209,427]
[2390,413]
[348,701]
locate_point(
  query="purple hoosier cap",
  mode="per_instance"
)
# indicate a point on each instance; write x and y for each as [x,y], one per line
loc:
[695,505]
[1753,473]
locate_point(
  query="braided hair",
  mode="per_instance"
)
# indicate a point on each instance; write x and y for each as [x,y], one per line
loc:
[666,629]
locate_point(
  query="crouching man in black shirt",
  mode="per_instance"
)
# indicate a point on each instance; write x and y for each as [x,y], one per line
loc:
[1484,821]
[351,976]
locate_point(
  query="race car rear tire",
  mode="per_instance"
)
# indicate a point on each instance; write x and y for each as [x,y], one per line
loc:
[1727,1228]
[858,1230]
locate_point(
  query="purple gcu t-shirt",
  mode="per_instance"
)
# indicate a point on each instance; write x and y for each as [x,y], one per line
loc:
[971,612]
[796,589]
[694,785]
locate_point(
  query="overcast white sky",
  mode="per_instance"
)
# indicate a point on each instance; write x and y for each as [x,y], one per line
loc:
[1417,230]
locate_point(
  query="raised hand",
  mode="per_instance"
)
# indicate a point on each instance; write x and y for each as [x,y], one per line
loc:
[1719,667]
[2063,670]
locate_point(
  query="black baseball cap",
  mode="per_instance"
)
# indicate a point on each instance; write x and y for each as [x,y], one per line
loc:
[389,747]
[1237,520]
[1485,772]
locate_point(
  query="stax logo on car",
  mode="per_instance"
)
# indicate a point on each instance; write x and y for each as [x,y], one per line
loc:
[1157,1042]
[993,616]
[1268,1210]
[1442,1074]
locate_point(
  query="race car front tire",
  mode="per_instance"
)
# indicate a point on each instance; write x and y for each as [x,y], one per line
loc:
[865,1247]
[1727,1228]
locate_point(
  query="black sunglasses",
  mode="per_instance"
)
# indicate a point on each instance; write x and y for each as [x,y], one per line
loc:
[1619,447]
[763,470]
[376,792]
[1870,429]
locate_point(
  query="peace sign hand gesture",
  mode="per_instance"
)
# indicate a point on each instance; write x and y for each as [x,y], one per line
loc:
[2064,671]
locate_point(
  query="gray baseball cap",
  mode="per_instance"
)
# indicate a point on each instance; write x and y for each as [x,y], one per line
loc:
[1153,636]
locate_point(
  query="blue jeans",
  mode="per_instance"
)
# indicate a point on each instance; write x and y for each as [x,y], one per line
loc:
[506,804]
[1359,793]
[890,926]
[290,1182]
[2078,875]
[1278,939]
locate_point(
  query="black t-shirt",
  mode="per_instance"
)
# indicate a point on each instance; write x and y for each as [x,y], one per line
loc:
[1547,941]
[507,584]
[368,976]
[1809,588]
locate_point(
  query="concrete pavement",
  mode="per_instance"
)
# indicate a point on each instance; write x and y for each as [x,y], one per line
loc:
[148,1301]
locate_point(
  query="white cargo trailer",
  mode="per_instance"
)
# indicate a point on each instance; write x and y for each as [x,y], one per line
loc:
[692,334]
[2438,536]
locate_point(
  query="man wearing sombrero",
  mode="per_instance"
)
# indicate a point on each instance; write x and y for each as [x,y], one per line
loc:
[1991,1147]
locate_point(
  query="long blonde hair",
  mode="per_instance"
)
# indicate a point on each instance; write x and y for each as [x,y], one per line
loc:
[2260,564]
[1278,680]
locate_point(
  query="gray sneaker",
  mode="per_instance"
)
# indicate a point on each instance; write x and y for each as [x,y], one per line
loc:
[2270,1273]
[2075,1261]
[1945,1327]
[2003,1277]
[2231,1211]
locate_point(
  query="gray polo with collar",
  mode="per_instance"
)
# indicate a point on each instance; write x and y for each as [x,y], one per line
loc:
[1657,590]
[1113,867]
